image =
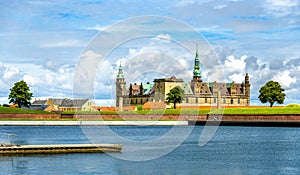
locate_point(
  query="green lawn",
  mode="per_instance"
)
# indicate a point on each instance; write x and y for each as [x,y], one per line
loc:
[284,110]
[8,110]
[262,110]
[258,110]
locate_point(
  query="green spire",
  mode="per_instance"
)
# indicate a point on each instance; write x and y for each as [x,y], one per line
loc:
[197,71]
[197,51]
[120,73]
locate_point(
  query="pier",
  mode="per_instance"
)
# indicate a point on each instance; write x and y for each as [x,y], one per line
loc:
[60,148]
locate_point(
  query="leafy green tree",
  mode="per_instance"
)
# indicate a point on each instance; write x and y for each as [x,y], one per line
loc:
[176,95]
[20,94]
[271,92]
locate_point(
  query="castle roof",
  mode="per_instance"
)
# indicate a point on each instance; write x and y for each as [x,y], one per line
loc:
[147,88]
[39,102]
[186,88]
[172,79]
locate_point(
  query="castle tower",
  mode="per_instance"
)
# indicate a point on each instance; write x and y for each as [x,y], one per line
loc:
[247,88]
[196,81]
[120,88]
[197,71]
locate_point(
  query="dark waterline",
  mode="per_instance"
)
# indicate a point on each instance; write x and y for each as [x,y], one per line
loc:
[232,150]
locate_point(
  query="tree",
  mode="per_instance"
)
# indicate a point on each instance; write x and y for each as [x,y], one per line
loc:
[176,95]
[271,92]
[20,94]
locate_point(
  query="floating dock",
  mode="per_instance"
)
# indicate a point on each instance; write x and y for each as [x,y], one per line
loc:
[60,149]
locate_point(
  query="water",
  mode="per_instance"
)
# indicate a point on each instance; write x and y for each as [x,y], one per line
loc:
[232,150]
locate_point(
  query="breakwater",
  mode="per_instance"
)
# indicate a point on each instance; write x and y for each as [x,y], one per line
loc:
[60,148]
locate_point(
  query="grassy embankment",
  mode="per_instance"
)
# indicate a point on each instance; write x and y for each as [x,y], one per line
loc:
[8,110]
[256,110]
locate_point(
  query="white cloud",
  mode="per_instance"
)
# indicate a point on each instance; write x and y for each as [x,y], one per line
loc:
[219,7]
[162,37]
[30,80]
[285,79]
[10,72]
[49,78]
[69,43]
[283,3]
[4,100]
[237,77]
[97,27]
[235,65]
[184,3]
[281,8]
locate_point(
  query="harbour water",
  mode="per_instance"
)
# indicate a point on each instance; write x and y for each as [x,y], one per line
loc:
[232,150]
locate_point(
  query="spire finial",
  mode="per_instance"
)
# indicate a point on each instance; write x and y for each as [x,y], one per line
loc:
[196,49]
[197,71]
[120,73]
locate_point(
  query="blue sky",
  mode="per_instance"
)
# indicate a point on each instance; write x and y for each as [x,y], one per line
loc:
[42,42]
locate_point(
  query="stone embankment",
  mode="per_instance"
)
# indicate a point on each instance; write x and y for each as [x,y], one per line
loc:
[251,120]
[152,119]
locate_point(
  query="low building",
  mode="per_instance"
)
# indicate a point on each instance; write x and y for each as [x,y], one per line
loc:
[76,105]
[154,105]
[63,104]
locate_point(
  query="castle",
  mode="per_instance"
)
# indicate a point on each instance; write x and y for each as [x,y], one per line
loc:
[197,92]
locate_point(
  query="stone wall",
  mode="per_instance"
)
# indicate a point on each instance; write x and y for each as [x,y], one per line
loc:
[259,118]
[201,118]
[30,116]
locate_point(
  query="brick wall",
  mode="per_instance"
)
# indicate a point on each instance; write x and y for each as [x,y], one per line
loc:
[30,116]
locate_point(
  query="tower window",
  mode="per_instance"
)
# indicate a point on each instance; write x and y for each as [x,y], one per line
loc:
[231,101]
[205,100]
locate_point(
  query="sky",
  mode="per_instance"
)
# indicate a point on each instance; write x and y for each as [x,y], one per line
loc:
[65,48]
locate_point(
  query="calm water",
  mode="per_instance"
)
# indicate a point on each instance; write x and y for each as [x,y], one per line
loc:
[232,150]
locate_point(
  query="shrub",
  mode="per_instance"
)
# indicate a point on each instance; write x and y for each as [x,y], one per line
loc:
[293,105]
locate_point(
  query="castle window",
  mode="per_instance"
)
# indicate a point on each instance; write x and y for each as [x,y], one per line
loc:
[224,100]
[196,99]
[205,100]
[136,101]
[239,101]
[231,101]
[215,100]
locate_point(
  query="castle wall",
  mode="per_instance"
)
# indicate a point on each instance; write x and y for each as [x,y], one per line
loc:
[213,100]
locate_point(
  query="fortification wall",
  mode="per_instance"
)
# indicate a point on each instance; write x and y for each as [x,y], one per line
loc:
[30,116]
